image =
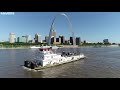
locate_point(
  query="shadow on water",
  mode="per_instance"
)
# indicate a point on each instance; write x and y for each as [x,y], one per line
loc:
[33,74]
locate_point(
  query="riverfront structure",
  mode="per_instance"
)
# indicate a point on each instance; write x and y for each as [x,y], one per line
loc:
[52,28]
[12,38]
[78,41]
[37,38]
[105,41]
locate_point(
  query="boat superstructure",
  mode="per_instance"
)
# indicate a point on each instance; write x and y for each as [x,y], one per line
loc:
[46,57]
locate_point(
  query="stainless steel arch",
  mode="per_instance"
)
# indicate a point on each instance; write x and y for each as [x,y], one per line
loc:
[52,26]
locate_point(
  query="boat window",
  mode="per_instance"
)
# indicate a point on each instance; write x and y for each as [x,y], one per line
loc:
[41,49]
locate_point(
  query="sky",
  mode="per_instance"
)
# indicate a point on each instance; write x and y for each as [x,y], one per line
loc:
[89,26]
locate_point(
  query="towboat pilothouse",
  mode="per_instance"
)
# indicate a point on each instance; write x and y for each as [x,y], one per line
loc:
[47,57]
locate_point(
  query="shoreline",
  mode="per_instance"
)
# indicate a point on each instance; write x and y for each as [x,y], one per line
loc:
[66,47]
[14,48]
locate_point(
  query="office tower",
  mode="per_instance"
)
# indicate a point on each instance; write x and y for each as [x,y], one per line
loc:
[84,41]
[52,40]
[37,38]
[71,40]
[58,40]
[54,35]
[105,41]
[28,38]
[12,38]
[46,39]
[78,41]
[18,39]
[62,39]
[23,39]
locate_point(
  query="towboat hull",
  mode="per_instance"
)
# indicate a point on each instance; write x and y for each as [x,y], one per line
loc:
[65,61]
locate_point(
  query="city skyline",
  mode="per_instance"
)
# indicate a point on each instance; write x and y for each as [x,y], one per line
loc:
[90,26]
[37,38]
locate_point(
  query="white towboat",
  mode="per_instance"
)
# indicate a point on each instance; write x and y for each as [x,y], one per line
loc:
[47,58]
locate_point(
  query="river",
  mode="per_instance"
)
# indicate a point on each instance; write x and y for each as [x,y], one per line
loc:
[101,62]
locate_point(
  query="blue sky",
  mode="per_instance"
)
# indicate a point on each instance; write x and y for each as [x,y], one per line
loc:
[90,26]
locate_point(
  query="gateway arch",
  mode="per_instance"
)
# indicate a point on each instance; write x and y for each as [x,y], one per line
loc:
[52,28]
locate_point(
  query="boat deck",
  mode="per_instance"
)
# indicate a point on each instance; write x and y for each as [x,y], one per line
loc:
[40,68]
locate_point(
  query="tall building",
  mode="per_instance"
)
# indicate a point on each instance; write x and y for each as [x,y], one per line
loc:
[58,40]
[84,41]
[12,38]
[28,38]
[71,40]
[105,41]
[54,35]
[37,38]
[24,39]
[46,39]
[62,39]
[18,39]
[78,41]
[52,40]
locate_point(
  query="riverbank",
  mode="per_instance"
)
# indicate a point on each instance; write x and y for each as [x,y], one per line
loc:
[66,46]
[16,48]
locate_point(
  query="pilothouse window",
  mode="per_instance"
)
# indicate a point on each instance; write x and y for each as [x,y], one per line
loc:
[41,49]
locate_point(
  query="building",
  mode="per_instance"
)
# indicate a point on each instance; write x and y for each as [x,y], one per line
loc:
[84,41]
[78,41]
[22,39]
[52,39]
[46,39]
[67,42]
[106,41]
[71,40]
[62,39]
[37,38]
[12,38]
[58,40]
[54,35]
[28,38]
[18,39]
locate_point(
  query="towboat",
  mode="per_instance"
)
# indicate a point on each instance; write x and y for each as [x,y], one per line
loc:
[47,57]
